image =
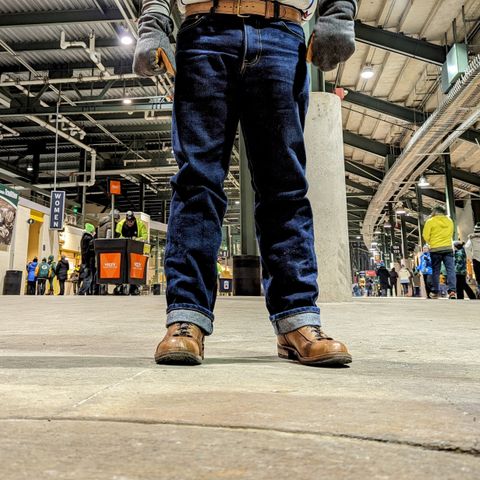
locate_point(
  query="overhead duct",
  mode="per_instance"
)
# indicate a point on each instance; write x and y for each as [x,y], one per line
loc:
[461,107]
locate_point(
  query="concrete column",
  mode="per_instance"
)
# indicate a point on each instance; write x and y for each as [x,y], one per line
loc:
[327,194]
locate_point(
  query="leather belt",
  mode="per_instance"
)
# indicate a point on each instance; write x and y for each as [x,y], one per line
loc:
[246,8]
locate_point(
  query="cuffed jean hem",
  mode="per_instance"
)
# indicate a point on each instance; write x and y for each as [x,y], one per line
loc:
[184,312]
[291,320]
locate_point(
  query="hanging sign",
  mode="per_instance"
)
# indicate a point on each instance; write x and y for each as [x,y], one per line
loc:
[115,187]
[8,213]
[57,210]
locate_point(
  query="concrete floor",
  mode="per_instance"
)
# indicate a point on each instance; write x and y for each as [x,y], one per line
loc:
[81,398]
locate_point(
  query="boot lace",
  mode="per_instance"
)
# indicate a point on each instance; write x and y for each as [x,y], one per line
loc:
[319,333]
[183,330]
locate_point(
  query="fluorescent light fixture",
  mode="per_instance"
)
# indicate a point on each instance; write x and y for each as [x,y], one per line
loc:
[367,72]
[29,168]
[423,182]
[358,237]
[387,225]
[377,232]
[237,202]
[127,101]
[400,211]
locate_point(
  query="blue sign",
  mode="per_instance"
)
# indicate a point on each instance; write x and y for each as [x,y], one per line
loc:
[57,210]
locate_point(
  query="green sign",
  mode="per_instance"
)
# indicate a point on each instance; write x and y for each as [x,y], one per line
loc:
[8,213]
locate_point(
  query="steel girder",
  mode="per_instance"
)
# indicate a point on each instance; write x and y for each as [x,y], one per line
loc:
[400,43]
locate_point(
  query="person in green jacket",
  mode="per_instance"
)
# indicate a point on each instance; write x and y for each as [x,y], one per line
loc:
[51,274]
[438,233]
[43,270]
[132,227]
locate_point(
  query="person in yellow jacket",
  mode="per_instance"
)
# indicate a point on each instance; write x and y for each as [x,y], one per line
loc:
[438,233]
[132,227]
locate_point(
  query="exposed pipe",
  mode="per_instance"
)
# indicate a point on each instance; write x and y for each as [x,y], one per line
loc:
[90,49]
[59,81]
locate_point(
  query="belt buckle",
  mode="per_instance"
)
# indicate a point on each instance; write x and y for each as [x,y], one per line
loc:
[239,3]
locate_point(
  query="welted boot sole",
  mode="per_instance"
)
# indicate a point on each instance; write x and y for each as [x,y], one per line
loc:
[178,358]
[324,360]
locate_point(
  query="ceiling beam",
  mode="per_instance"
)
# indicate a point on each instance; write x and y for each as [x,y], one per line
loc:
[400,43]
[366,144]
[64,17]
[399,112]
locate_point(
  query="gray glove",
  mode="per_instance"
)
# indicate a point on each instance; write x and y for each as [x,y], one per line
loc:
[333,38]
[154,54]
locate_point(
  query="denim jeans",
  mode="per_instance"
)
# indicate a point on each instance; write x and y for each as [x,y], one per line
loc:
[448,260]
[252,70]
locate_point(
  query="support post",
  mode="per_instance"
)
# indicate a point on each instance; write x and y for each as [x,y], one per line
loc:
[327,195]
[246,267]
[404,237]
[449,192]
[421,222]
[141,200]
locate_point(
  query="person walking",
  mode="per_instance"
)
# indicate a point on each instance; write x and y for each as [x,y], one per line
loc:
[438,233]
[425,268]
[393,282]
[87,249]
[42,276]
[472,248]
[61,272]
[51,274]
[243,61]
[31,276]
[461,272]
[405,278]
[384,277]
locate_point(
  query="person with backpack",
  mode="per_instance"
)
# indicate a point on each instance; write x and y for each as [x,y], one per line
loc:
[51,274]
[31,276]
[87,249]
[42,272]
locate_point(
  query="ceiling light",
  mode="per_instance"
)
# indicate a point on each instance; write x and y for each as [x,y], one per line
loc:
[400,211]
[127,101]
[29,168]
[358,237]
[423,182]
[126,39]
[377,232]
[387,225]
[367,72]
[237,202]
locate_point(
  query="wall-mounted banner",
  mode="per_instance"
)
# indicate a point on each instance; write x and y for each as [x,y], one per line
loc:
[57,210]
[8,213]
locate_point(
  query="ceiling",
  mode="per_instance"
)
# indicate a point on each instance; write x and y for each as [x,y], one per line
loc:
[403,41]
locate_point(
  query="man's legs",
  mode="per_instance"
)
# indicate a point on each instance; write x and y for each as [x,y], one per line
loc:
[436,265]
[449,262]
[461,282]
[274,103]
[204,125]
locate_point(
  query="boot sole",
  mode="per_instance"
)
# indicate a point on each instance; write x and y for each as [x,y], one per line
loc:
[325,360]
[178,358]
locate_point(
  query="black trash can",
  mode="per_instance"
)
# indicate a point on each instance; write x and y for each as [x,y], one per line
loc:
[12,284]
[111,260]
[246,275]
[157,288]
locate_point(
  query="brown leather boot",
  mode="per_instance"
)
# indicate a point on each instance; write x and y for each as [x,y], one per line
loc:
[182,345]
[310,346]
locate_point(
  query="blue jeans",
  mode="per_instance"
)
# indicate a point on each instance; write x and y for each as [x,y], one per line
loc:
[448,260]
[252,70]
